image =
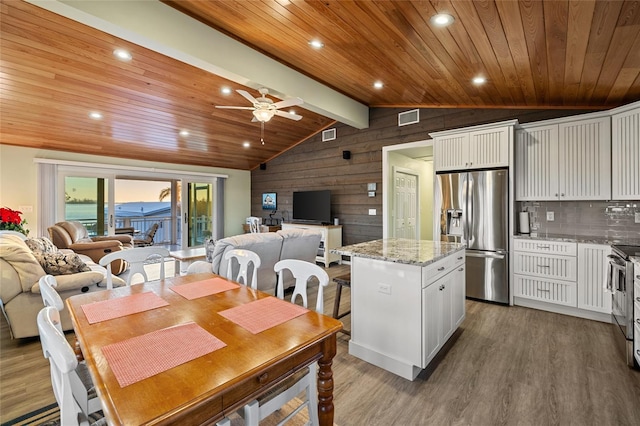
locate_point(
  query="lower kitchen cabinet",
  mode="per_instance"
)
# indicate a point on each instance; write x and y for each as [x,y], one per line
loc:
[636,310]
[563,277]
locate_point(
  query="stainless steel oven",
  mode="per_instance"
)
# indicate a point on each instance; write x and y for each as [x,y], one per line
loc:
[620,284]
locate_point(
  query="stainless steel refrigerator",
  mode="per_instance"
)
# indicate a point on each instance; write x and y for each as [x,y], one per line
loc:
[474,209]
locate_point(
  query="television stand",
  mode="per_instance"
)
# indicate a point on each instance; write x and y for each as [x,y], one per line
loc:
[331,238]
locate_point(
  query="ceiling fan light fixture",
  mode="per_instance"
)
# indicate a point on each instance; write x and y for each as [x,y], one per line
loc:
[442,19]
[263,115]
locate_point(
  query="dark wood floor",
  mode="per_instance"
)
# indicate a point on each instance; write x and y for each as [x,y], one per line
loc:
[508,366]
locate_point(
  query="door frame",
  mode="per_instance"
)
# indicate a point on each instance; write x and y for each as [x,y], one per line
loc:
[387,201]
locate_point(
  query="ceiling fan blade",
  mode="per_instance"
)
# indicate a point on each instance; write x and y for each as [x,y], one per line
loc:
[288,103]
[233,107]
[288,115]
[247,96]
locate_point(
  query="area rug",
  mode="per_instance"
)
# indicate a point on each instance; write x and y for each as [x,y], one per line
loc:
[50,416]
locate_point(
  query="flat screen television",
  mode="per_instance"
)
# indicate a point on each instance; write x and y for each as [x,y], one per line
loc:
[312,206]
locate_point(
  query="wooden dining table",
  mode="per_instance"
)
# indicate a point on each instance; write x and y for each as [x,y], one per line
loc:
[210,387]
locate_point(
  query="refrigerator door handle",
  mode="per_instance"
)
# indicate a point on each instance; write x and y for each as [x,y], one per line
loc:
[490,255]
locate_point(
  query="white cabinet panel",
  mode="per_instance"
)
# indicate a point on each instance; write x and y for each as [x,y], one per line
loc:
[545,290]
[625,154]
[585,160]
[331,239]
[545,266]
[592,272]
[537,163]
[567,160]
[473,148]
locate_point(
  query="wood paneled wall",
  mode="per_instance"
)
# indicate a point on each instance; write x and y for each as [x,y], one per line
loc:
[315,165]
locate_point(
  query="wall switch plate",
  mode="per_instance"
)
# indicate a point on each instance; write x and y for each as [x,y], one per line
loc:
[637,217]
[372,212]
[551,216]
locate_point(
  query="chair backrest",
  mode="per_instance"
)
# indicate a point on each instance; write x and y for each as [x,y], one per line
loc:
[244,258]
[148,236]
[254,224]
[49,294]
[136,258]
[62,362]
[302,271]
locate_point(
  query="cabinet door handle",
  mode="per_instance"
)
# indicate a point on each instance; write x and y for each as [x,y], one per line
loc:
[637,299]
[461,269]
[638,321]
[441,268]
[441,287]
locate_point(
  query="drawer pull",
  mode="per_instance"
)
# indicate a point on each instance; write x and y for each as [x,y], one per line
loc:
[637,299]
[441,268]
[544,291]
[638,321]
[441,287]
[544,266]
[460,258]
[461,269]
[543,247]
[262,379]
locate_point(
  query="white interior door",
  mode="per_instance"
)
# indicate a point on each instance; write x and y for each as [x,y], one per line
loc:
[406,202]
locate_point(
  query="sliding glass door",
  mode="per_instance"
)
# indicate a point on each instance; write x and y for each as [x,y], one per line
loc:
[197,212]
[87,200]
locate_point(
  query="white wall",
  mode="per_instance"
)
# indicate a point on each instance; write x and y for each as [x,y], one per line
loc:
[18,182]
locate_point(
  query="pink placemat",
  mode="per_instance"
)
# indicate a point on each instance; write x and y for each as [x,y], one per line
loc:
[144,356]
[263,314]
[204,288]
[122,306]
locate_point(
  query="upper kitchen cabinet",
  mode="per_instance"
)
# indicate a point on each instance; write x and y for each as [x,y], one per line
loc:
[475,147]
[564,159]
[625,152]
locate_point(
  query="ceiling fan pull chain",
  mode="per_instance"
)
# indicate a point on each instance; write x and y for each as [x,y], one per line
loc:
[262,132]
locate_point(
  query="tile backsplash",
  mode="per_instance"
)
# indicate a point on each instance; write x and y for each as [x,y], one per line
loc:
[608,219]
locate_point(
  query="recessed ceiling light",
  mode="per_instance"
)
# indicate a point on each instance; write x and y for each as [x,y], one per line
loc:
[95,115]
[246,144]
[442,19]
[479,80]
[122,54]
[184,133]
[316,44]
[226,90]
[378,85]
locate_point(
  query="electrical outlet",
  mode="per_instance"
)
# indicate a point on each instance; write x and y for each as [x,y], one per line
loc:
[637,218]
[550,217]
[384,288]
[372,212]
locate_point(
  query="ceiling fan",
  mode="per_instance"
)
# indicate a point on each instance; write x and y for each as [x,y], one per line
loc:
[264,108]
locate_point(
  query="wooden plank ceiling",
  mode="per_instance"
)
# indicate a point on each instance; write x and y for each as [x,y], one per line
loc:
[549,54]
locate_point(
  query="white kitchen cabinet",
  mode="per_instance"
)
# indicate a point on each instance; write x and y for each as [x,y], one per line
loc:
[592,274]
[443,309]
[564,159]
[331,238]
[473,147]
[625,152]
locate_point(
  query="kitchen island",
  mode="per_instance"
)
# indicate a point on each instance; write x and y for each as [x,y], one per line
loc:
[407,300]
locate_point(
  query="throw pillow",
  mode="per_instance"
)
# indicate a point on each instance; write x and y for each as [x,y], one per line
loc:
[61,263]
[42,244]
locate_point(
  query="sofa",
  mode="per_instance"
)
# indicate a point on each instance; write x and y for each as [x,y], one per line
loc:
[272,247]
[21,269]
[74,236]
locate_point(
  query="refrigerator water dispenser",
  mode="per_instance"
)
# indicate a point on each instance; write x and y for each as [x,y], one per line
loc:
[454,222]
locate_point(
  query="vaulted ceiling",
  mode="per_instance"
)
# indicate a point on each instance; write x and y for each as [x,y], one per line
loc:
[56,69]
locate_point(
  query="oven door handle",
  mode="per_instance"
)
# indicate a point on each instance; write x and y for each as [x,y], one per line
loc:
[615,275]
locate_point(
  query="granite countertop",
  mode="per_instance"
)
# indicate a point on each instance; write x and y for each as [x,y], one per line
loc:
[581,239]
[400,250]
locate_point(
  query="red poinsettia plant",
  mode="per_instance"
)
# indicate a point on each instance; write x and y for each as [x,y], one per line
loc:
[12,221]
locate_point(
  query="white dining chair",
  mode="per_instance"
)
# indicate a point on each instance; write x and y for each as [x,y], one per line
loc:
[306,379]
[136,258]
[82,387]
[243,258]
[63,364]
[254,224]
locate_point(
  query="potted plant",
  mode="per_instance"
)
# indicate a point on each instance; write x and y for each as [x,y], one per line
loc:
[11,220]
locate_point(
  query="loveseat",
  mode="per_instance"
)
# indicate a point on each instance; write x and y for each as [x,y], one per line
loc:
[74,236]
[272,247]
[20,271]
